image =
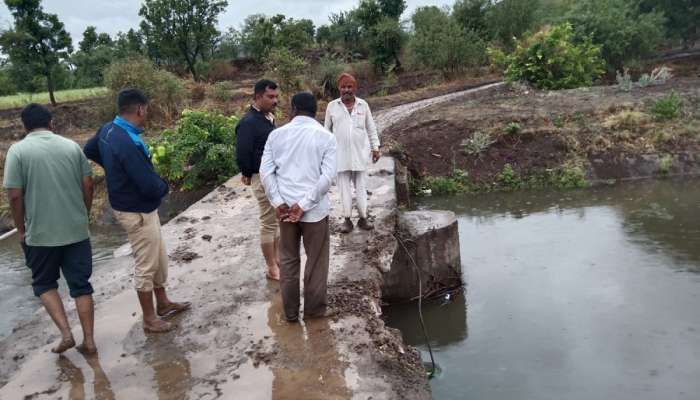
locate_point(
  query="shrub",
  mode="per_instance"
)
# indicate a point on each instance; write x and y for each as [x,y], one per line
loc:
[550,59]
[624,80]
[199,151]
[512,129]
[327,73]
[665,164]
[508,177]
[198,91]
[165,91]
[286,67]
[478,143]
[456,183]
[667,107]
[222,91]
[569,176]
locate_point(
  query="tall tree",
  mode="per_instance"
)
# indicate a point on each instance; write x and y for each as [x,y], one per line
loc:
[392,8]
[38,41]
[471,15]
[181,28]
[682,18]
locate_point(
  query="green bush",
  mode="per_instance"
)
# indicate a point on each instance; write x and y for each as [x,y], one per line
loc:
[512,129]
[667,107]
[286,67]
[665,164]
[165,91]
[456,183]
[478,143]
[199,151]
[508,178]
[549,59]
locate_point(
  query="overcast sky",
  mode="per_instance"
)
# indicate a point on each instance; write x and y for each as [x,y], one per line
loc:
[112,16]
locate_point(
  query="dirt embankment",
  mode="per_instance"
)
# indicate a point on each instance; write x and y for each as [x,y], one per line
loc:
[519,133]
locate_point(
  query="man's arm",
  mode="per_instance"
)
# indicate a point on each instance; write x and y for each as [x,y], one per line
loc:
[92,149]
[328,124]
[373,135]
[140,171]
[88,190]
[328,172]
[16,200]
[268,175]
[245,150]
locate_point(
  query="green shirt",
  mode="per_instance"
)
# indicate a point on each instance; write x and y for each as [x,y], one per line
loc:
[49,169]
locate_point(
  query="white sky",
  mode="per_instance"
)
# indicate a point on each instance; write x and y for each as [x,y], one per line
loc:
[112,16]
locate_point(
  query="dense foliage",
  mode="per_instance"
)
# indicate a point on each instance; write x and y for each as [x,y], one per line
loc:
[199,151]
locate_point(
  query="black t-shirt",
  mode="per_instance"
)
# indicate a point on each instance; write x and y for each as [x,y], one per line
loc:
[251,135]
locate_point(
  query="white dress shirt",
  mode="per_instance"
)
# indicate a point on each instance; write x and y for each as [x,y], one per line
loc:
[298,166]
[355,131]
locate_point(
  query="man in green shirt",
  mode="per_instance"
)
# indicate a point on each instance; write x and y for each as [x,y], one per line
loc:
[49,185]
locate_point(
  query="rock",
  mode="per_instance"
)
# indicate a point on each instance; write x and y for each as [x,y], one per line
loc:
[431,239]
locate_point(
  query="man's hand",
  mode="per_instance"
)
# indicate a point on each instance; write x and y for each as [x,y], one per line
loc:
[282,212]
[246,180]
[376,155]
[295,214]
[21,236]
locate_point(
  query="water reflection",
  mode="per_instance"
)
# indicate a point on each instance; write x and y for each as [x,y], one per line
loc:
[575,295]
[446,321]
[69,372]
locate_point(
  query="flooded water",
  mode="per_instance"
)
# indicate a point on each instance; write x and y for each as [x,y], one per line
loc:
[591,294]
[18,301]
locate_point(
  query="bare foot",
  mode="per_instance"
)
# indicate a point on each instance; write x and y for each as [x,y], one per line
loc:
[173,308]
[63,346]
[273,273]
[87,349]
[157,326]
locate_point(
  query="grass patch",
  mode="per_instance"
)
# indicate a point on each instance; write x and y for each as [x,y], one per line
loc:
[22,99]
[668,107]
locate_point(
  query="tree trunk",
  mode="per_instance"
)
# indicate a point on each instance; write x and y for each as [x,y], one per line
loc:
[192,68]
[50,84]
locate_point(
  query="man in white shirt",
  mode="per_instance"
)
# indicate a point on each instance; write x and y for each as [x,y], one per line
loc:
[297,168]
[350,120]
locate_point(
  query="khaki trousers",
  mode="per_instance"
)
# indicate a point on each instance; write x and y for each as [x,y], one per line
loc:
[150,254]
[269,226]
[316,238]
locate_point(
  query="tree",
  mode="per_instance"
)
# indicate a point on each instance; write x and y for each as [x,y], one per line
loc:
[682,18]
[508,20]
[441,43]
[392,8]
[96,52]
[471,15]
[625,34]
[38,42]
[181,28]
[386,40]
[345,31]
[129,44]
[262,34]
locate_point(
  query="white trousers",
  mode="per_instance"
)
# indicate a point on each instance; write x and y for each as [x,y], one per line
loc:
[346,180]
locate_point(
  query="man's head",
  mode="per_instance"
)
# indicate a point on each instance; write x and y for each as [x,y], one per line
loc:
[304,104]
[36,117]
[266,96]
[133,106]
[347,84]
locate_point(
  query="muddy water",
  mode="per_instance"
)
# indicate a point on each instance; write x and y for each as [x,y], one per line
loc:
[576,295]
[15,278]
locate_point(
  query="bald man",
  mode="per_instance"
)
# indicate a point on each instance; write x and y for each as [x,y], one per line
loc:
[350,120]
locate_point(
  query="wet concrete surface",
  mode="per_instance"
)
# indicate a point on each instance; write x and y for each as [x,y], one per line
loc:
[234,343]
[587,294]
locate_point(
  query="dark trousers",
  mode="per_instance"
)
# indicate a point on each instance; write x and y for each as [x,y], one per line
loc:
[47,263]
[316,238]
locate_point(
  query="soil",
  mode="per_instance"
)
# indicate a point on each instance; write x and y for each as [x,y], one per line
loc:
[583,126]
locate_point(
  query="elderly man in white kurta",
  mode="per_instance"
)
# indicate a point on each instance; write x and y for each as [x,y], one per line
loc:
[350,120]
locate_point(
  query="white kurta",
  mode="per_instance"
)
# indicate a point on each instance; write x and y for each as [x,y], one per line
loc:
[355,133]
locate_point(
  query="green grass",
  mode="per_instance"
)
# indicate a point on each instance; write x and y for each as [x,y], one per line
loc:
[22,99]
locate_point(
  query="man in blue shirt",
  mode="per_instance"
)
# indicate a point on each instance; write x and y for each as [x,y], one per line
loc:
[135,192]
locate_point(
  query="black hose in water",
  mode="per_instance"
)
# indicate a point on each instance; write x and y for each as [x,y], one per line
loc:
[433,369]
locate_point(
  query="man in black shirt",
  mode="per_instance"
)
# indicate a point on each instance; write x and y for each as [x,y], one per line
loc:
[252,132]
